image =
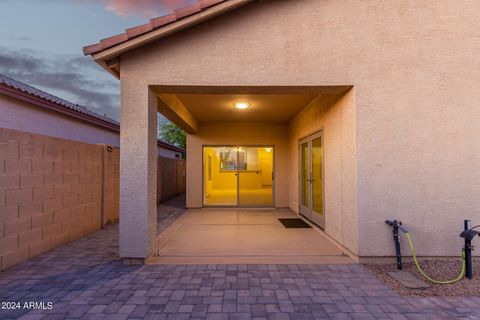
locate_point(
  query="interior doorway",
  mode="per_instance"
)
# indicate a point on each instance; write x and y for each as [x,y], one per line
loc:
[238,176]
[311,178]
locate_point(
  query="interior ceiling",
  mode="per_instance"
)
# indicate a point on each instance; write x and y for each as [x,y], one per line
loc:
[263,107]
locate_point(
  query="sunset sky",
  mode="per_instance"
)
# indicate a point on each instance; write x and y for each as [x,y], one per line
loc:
[41,44]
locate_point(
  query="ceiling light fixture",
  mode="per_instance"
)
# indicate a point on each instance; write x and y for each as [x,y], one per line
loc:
[241,105]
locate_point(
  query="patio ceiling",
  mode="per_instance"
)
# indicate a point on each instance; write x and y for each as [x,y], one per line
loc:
[188,106]
[265,107]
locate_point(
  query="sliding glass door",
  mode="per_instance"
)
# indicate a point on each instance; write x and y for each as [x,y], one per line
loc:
[255,176]
[220,176]
[238,176]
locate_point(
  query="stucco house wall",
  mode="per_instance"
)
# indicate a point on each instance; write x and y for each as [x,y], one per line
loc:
[165,153]
[335,116]
[20,115]
[415,75]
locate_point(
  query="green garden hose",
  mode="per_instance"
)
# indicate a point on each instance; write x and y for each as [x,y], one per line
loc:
[460,276]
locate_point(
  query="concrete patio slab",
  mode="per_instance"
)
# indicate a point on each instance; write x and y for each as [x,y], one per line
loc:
[244,236]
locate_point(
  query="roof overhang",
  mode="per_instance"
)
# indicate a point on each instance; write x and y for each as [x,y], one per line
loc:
[107,52]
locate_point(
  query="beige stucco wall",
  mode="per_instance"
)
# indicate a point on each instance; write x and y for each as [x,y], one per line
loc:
[138,170]
[415,71]
[335,117]
[20,115]
[166,153]
[238,133]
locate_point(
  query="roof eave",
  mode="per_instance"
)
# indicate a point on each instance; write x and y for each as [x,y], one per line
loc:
[104,56]
[110,69]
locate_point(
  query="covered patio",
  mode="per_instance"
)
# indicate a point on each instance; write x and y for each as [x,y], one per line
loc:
[321,188]
[243,236]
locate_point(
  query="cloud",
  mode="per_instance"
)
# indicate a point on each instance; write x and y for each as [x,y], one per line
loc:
[15,38]
[73,78]
[145,8]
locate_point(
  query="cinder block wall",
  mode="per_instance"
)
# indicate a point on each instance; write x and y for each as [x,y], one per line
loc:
[170,178]
[50,193]
[53,191]
[111,185]
[181,177]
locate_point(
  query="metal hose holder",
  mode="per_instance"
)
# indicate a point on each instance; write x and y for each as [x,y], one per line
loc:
[397,225]
[469,234]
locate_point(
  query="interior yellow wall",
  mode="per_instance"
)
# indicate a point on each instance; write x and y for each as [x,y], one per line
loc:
[335,116]
[250,180]
[266,166]
[223,179]
[238,133]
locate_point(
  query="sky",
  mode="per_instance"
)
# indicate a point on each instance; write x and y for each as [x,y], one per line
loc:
[41,44]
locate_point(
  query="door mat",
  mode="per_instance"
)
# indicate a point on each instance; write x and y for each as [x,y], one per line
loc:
[291,223]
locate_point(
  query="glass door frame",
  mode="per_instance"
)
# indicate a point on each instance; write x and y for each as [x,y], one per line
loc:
[308,212]
[237,175]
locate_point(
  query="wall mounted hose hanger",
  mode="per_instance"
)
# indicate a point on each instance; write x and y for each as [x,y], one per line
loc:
[468,234]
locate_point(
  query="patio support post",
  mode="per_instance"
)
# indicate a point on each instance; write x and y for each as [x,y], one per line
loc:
[138,171]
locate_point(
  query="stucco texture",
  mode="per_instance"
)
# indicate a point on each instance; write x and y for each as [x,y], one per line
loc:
[415,72]
[335,117]
[20,115]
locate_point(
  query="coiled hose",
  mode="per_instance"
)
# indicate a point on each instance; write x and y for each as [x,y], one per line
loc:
[460,276]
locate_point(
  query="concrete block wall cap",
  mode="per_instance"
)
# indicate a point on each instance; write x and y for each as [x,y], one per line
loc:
[139,30]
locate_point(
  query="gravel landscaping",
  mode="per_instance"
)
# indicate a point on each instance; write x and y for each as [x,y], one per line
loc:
[440,269]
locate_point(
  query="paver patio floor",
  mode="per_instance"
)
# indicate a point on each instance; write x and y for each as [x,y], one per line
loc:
[86,280]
